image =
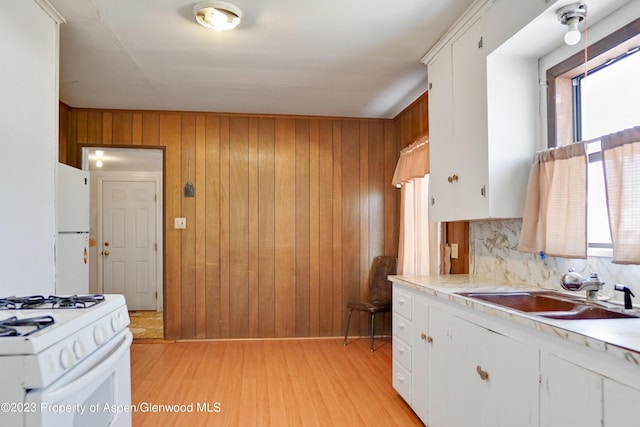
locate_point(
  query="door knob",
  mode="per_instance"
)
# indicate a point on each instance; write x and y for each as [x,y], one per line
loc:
[106,253]
[106,243]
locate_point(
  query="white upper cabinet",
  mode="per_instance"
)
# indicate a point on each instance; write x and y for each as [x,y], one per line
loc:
[458,136]
[482,121]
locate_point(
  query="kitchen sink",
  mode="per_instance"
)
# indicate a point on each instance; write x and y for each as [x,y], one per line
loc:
[588,312]
[552,305]
[526,301]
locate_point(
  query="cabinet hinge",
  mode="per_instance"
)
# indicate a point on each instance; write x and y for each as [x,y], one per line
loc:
[155,197]
[156,294]
[430,86]
[480,43]
[433,201]
[155,247]
[483,191]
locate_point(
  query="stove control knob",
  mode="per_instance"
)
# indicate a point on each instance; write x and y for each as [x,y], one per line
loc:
[79,349]
[116,322]
[99,335]
[66,358]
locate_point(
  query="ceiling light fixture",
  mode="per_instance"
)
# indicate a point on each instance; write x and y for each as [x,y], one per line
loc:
[571,15]
[99,154]
[217,15]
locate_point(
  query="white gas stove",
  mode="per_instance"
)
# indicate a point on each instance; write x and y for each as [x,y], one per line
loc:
[65,361]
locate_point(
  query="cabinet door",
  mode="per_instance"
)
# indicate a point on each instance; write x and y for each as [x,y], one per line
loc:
[458,129]
[511,392]
[421,342]
[571,395]
[439,327]
[474,373]
[470,123]
[453,391]
[441,144]
[621,404]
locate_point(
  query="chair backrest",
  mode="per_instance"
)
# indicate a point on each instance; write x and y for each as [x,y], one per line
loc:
[379,285]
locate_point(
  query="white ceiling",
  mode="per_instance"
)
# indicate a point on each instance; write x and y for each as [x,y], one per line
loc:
[354,58]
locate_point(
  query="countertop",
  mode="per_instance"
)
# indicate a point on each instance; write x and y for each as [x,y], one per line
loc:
[618,337]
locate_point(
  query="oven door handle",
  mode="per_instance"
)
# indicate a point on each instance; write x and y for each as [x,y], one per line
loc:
[92,375]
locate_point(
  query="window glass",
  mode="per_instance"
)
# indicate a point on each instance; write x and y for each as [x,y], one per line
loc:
[606,100]
[610,97]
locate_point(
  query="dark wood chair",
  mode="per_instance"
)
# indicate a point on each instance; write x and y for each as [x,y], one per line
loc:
[379,293]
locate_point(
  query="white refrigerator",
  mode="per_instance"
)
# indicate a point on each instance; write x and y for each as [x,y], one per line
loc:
[72,240]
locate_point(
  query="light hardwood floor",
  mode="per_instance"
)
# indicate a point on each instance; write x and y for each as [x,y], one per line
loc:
[268,383]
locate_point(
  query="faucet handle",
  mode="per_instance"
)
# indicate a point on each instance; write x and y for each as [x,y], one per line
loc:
[627,295]
[572,280]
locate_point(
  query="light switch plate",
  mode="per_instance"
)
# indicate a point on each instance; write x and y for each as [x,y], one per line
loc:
[180,223]
[454,250]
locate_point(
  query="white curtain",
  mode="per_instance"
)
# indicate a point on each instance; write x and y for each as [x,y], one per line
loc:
[621,163]
[417,235]
[555,213]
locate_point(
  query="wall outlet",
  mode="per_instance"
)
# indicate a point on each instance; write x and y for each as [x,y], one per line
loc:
[180,223]
[454,250]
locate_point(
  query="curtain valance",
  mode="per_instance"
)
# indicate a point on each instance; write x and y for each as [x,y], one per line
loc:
[413,162]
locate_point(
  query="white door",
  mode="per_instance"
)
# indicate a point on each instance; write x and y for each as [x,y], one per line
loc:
[129,242]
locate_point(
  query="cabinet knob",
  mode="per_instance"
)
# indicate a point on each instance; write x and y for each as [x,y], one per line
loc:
[106,253]
[484,375]
[425,337]
[453,178]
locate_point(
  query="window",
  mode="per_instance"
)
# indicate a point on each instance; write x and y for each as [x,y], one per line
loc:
[588,101]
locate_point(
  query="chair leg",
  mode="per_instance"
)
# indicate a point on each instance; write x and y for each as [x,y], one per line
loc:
[346,332]
[372,322]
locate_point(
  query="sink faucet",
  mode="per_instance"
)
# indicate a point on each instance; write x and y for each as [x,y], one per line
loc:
[573,281]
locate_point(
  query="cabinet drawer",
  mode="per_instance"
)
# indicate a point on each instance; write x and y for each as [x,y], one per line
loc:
[402,381]
[401,327]
[402,303]
[402,353]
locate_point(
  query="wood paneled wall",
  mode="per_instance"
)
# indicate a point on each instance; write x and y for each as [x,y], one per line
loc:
[413,122]
[288,214]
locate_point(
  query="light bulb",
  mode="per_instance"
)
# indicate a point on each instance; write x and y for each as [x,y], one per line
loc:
[99,163]
[573,34]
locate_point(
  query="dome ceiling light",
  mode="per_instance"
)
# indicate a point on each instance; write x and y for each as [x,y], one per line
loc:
[217,15]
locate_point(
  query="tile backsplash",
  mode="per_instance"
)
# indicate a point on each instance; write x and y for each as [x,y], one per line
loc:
[493,255]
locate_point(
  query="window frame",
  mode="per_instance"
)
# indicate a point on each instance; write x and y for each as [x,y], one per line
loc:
[561,126]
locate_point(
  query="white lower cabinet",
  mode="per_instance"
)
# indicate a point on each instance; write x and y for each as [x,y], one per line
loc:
[458,368]
[474,372]
[462,374]
[410,350]
[571,394]
[575,395]
[621,404]
[420,358]
[400,340]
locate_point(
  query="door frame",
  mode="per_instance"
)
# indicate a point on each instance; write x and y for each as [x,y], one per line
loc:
[156,177]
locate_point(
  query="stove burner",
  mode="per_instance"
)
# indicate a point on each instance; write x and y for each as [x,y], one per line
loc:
[52,301]
[30,302]
[9,327]
[76,301]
